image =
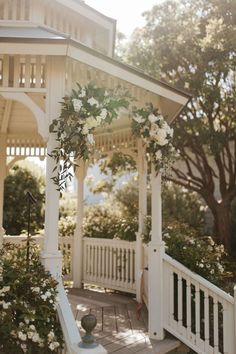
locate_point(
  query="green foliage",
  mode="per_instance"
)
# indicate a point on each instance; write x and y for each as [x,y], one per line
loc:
[101,222]
[15,215]
[190,43]
[85,109]
[28,319]
[200,254]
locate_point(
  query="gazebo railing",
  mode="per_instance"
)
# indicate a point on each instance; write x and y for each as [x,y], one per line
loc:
[109,263]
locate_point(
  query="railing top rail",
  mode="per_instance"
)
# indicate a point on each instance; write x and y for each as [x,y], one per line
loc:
[197,278]
[105,241]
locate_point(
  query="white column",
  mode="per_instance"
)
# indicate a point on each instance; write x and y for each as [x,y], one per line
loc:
[156,250]
[55,78]
[78,235]
[142,172]
[3,162]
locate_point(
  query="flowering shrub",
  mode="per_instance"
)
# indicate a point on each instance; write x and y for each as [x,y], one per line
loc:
[82,112]
[28,321]
[66,226]
[90,107]
[149,125]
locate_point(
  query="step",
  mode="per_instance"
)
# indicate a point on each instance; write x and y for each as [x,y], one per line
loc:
[165,345]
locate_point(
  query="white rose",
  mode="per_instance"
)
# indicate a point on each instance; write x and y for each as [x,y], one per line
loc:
[77,104]
[158,155]
[82,93]
[51,335]
[139,119]
[90,139]
[5,289]
[35,337]
[48,294]
[5,305]
[30,335]
[152,118]
[92,122]
[85,130]
[103,113]
[93,102]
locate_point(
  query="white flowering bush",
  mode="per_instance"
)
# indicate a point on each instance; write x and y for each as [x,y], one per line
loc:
[28,320]
[149,125]
[84,110]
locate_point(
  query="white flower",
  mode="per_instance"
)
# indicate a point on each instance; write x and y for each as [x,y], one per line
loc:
[48,294]
[5,305]
[30,334]
[201,265]
[5,289]
[103,113]
[32,327]
[93,102]
[92,122]
[36,289]
[152,118]
[82,93]
[158,154]
[90,139]
[35,337]
[139,119]
[51,335]
[85,130]
[44,297]
[53,345]
[77,104]
[22,335]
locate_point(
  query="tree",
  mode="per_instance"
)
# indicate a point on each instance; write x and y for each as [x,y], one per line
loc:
[15,212]
[191,43]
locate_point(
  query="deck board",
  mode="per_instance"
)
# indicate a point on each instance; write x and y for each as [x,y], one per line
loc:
[118,328]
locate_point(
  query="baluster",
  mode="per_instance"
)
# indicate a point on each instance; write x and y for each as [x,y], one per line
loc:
[197,307]
[107,263]
[127,267]
[180,303]
[110,264]
[38,72]
[216,325]
[115,265]
[27,70]
[99,262]
[188,299]
[123,266]
[5,71]
[16,80]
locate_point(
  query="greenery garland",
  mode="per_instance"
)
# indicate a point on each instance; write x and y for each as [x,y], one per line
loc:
[89,107]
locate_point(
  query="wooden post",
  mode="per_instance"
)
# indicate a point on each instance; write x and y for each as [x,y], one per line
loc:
[78,236]
[156,250]
[51,257]
[3,161]
[142,172]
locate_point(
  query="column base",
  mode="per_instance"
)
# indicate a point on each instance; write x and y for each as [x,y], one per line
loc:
[53,263]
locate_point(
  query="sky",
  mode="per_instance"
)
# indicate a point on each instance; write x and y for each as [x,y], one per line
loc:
[128,13]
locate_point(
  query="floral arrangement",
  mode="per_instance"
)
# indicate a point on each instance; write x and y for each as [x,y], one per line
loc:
[149,125]
[90,107]
[82,112]
[28,320]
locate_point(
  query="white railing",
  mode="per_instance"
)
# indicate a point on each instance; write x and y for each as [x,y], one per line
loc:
[65,246]
[198,313]
[23,71]
[109,263]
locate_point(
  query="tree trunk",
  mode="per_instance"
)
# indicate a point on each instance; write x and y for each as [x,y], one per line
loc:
[222,224]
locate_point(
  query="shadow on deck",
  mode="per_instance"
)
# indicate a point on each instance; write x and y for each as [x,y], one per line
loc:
[118,328]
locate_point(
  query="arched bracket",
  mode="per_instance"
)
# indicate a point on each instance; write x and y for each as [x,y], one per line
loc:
[38,113]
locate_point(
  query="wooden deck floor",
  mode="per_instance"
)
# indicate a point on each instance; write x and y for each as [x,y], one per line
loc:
[118,328]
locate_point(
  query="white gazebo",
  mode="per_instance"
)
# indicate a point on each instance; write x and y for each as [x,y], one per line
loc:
[46,47]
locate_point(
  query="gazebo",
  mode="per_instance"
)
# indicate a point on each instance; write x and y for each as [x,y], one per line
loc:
[47,47]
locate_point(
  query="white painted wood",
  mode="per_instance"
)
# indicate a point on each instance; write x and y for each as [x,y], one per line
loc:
[39,114]
[5,80]
[156,251]
[142,172]
[55,91]
[191,339]
[78,260]
[109,264]
[180,303]
[3,163]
